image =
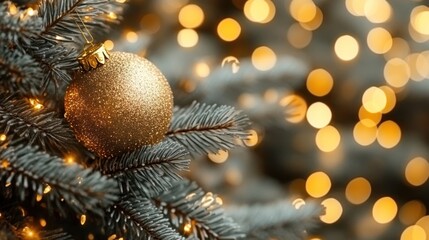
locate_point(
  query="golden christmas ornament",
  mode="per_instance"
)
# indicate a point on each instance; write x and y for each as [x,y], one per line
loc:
[120,104]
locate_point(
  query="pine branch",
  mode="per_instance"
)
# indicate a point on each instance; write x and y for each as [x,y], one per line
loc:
[188,203]
[279,220]
[20,121]
[31,173]
[57,62]
[16,27]
[138,218]
[56,234]
[205,128]
[61,17]
[150,168]
[20,72]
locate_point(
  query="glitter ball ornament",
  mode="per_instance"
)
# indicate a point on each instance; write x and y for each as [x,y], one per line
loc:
[119,104]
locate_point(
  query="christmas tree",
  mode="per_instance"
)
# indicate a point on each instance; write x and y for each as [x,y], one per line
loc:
[92,147]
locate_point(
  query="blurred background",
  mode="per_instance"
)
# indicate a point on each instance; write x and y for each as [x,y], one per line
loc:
[337,91]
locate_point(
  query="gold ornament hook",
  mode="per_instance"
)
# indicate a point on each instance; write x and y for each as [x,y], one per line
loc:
[94,55]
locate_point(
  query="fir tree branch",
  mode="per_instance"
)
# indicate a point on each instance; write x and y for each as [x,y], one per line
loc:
[56,234]
[56,60]
[205,128]
[279,220]
[20,72]
[138,218]
[20,26]
[61,17]
[150,168]
[30,173]
[20,121]
[188,203]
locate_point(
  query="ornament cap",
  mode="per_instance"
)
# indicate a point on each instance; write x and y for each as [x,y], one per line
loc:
[93,56]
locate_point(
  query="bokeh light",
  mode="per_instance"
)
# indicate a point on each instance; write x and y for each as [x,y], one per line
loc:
[319,82]
[333,210]
[414,232]
[319,115]
[260,11]
[187,38]
[377,11]
[358,190]
[419,18]
[252,139]
[228,29]
[298,36]
[390,99]
[315,23]
[424,223]
[302,10]
[318,184]
[379,40]
[369,119]
[264,58]
[191,16]
[202,69]
[374,100]
[417,171]
[363,134]
[219,157]
[356,7]
[328,139]
[389,134]
[346,47]
[411,212]
[295,108]
[400,49]
[397,72]
[384,210]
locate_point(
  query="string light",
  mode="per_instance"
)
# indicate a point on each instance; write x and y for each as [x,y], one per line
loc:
[29,233]
[47,189]
[36,104]
[42,222]
[82,219]
[188,228]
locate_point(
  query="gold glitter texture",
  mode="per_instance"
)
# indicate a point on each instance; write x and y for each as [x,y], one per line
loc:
[119,106]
